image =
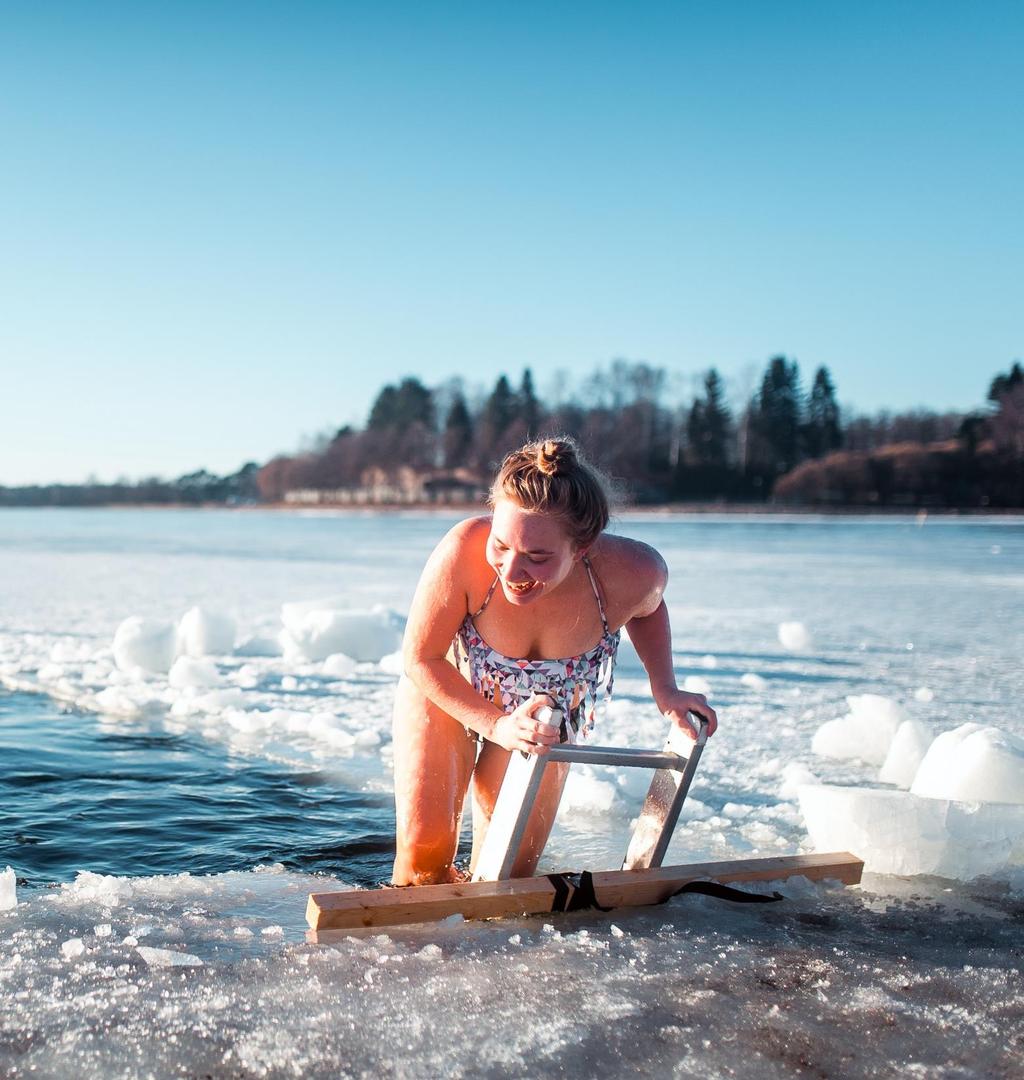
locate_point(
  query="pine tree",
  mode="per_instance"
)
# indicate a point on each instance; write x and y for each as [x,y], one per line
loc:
[1003,384]
[399,407]
[529,406]
[777,418]
[822,433]
[458,434]
[696,432]
[384,410]
[500,408]
[717,421]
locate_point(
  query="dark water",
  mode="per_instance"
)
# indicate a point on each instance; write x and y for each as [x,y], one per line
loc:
[140,800]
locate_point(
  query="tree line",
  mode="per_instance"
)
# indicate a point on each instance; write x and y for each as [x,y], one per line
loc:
[774,439]
[922,460]
[192,489]
[660,450]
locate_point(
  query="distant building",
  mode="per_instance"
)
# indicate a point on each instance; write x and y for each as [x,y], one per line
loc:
[397,487]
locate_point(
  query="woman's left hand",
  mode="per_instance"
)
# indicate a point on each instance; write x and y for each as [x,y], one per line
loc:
[675,704]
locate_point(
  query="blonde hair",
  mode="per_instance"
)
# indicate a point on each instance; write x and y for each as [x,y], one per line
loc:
[551,476]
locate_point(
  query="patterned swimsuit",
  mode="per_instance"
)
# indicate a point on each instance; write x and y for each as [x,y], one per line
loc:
[574,683]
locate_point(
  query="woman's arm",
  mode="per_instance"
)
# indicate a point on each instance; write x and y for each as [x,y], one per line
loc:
[651,635]
[439,605]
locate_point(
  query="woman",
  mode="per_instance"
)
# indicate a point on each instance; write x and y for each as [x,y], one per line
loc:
[500,598]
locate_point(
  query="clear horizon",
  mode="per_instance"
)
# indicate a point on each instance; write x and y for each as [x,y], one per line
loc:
[227,227]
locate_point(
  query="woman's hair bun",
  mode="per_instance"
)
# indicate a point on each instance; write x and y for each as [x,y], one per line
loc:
[555,457]
[552,476]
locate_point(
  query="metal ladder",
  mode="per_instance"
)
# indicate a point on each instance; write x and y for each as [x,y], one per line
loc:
[674,766]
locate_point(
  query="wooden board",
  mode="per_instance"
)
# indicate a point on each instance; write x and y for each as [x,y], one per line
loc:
[360,908]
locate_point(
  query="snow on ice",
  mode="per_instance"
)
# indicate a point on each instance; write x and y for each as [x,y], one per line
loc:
[205,633]
[973,762]
[8,890]
[314,630]
[794,636]
[865,733]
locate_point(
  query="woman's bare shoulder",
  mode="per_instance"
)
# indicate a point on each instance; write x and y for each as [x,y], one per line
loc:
[622,555]
[461,553]
[633,574]
[466,536]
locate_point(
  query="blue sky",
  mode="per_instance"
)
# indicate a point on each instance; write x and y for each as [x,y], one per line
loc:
[225,226]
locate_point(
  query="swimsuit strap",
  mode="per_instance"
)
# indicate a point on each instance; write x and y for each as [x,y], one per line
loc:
[597,594]
[487,598]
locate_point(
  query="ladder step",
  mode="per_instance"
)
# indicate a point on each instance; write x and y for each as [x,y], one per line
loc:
[617,755]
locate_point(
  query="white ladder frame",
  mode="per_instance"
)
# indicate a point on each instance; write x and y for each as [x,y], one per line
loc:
[675,767]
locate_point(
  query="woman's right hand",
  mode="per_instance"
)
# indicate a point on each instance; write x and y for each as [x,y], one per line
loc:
[522,730]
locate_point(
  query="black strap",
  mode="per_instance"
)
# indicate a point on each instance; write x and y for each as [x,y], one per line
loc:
[563,890]
[575,892]
[726,892]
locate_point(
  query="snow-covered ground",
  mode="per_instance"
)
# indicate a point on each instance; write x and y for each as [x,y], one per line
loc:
[836,652]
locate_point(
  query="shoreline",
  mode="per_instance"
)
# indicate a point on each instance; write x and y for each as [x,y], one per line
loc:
[653,511]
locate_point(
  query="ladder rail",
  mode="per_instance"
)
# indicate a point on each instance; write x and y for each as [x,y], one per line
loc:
[662,806]
[674,772]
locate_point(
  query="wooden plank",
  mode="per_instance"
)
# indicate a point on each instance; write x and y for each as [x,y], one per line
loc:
[429,903]
[360,908]
[622,888]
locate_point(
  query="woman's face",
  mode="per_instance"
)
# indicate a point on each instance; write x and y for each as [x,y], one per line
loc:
[531,552]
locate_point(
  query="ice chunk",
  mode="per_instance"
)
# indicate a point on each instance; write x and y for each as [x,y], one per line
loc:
[794,776]
[216,700]
[906,752]
[167,957]
[393,663]
[72,947]
[837,739]
[8,890]
[754,681]
[339,665]
[248,721]
[187,671]
[144,643]
[585,792]
[794,636]
[65,652]
[259,646]
[897,832]
[105,889]
[205,633]
[865,733]
[709,661]
[316,629]
[924,693]
[972,762]
[115,701]
[696,684]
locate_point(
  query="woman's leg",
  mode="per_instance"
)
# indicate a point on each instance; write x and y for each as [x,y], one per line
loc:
[434,759]
[490,771]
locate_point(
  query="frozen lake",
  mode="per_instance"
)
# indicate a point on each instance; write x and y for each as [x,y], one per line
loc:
[150,820]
